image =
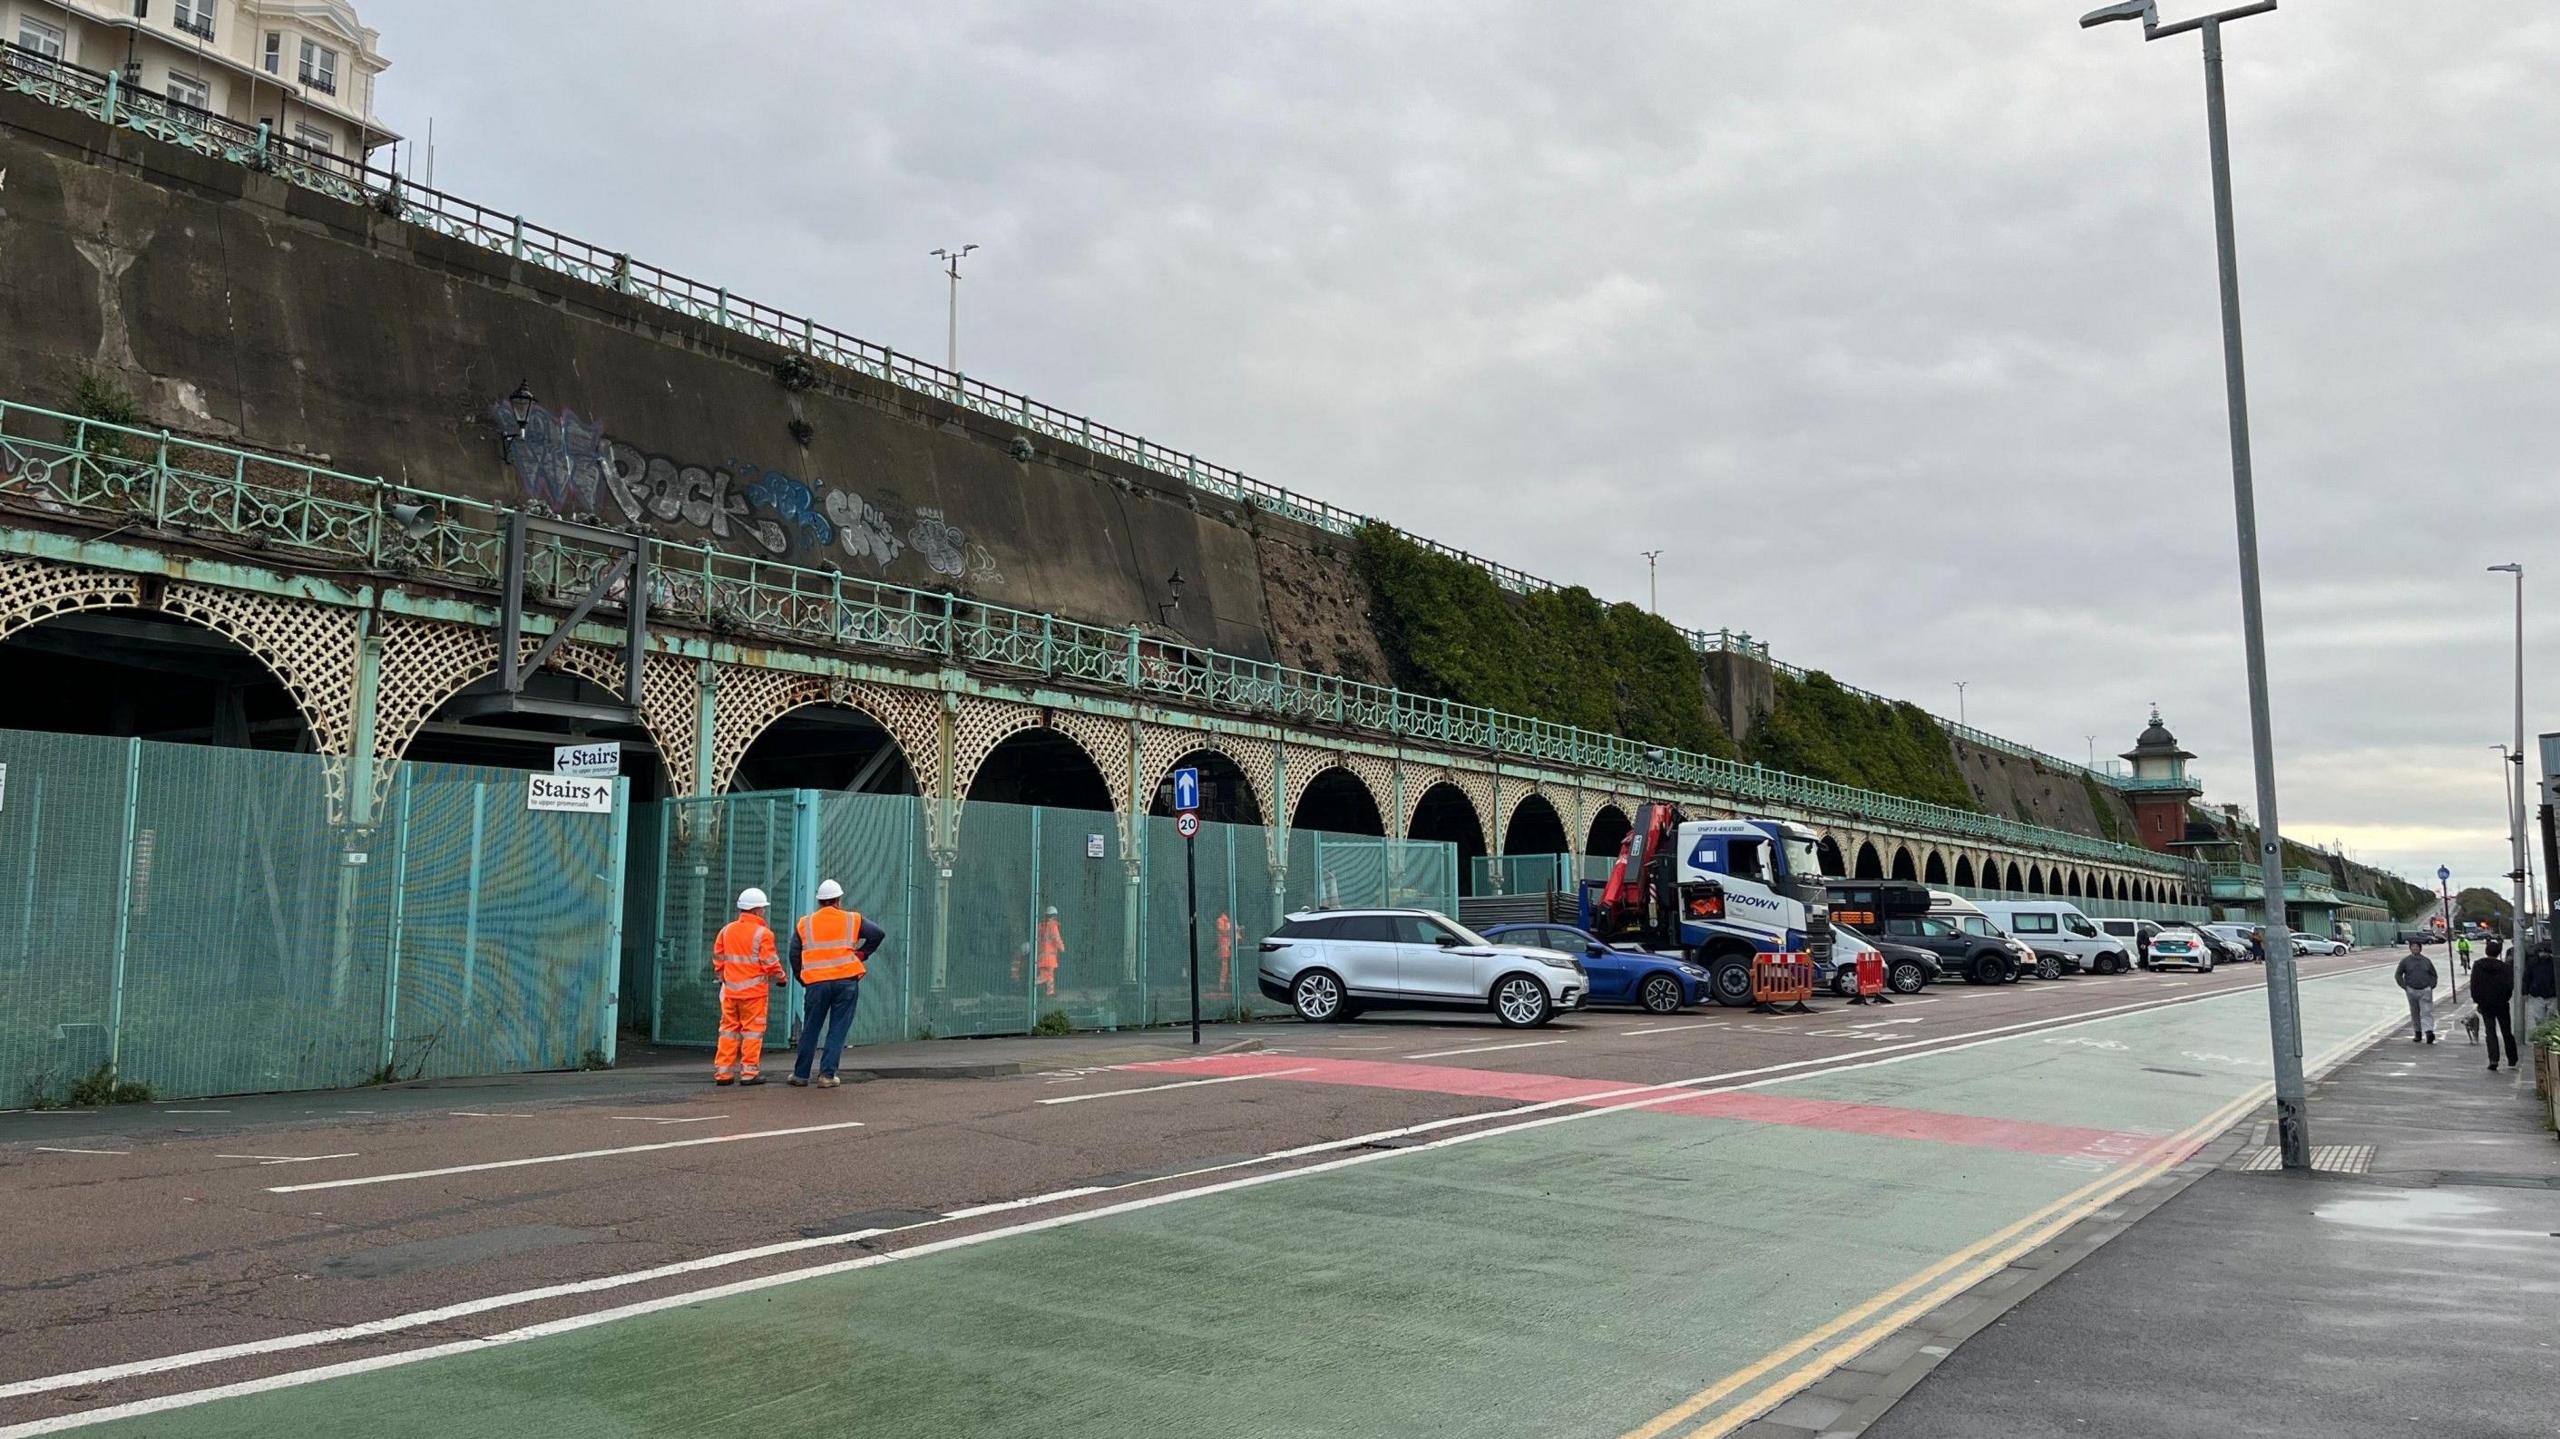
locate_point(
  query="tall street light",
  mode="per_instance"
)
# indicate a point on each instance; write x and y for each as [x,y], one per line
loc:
[2515,789]
[1960,684]
[1652,590]
[951,267]
[2284,1013]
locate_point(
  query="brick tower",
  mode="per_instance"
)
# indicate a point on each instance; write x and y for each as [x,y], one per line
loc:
[2161,786]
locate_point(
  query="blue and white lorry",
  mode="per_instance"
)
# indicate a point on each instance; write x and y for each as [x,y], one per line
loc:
[1717,892]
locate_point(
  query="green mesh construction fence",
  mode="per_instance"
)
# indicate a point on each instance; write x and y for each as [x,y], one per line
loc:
[1042,913]
[194,918]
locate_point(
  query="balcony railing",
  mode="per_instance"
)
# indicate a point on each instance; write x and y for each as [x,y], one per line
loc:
[535,244]
[68,470]
[200,26]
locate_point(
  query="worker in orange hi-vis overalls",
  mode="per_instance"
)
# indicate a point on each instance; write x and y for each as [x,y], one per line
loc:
[1053,948]
[1226,948]
[746,959]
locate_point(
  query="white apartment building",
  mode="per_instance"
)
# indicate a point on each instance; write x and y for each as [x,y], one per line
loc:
[305,66]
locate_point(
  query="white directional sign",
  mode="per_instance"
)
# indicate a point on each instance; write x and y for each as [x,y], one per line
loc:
[600,759]
[1186,788]
[568,794]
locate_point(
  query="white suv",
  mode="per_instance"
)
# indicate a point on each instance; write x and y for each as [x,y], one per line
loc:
[1332,964]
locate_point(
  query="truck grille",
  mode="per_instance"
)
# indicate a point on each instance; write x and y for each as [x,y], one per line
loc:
[1817,940]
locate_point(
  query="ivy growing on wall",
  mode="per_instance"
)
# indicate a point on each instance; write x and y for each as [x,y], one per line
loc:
[1818,728]
[2101,801]
[1557,655]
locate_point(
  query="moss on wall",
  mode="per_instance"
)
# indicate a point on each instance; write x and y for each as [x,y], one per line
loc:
[2105,806]
[1557,655]
[1818,728]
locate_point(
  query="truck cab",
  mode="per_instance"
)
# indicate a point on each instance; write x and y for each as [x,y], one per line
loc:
[1717,892]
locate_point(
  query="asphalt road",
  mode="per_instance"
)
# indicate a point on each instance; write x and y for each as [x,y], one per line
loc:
[1616,1224]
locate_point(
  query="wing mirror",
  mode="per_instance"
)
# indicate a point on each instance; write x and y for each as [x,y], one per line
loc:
[1447,941]
[1595,950]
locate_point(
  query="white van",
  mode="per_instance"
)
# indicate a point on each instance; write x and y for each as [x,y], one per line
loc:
[2062,937]
[2133,934]
[1968,916]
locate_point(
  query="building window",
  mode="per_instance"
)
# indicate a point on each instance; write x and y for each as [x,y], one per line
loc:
[275,52]
[187,90]
[195,17]
[317,139]
[320,67]
[45,40]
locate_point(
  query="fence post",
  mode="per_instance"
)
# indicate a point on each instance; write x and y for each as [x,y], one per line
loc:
[610,1022]
[471,900]
[1031,970]
[515,240]
[804,889]
[124,904]
[399,912]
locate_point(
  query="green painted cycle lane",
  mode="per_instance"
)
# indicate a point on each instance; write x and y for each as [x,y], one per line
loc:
[1571,1279]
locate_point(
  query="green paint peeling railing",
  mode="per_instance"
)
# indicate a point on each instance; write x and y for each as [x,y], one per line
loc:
[68,468]
[99,95]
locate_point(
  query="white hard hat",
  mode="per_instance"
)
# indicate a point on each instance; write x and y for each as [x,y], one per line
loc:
[1053,911]
[752,898]
[829,889]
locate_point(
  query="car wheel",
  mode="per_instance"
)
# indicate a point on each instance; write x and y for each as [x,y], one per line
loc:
[1844,983]
[1521,1002]
[1661,993]
[1731,978]
[2048,967]
[1991,969]
[1318,997]
[1907,977]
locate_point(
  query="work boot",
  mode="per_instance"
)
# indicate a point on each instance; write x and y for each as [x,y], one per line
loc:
[751,1080]
[797,1082]
[724,1081]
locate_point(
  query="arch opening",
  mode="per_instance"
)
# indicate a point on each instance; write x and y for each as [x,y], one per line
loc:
[1535,828]
[2035,879]
[1609,831]
[1826,852]
[135,674]
[1902,865]
[1964,872]
[1040,767]
[1226,796]
[2017,883]
[468,729]
[1870,864]
[1935,871]
[825,746]
[1336,802]
[1444,813]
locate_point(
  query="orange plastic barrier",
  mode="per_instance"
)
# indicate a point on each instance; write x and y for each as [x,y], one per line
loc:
[1870,980]
[1782,980]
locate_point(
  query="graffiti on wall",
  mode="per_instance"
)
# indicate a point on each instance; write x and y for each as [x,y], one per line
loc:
[571,465]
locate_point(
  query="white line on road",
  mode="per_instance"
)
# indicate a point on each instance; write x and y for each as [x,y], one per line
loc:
[671,1119]
[557,1158]
[1676,1028]
[1001,1205]
[1160,1088]
[195,1111]
[417,1319]
[265,1159]
[1483,1049]
[52,1149]
[468,1114]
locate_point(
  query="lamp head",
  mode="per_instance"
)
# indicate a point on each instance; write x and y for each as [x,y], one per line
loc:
[2506,569]
[2146,11]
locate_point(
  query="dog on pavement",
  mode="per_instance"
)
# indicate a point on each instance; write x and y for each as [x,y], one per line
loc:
[2471,1026]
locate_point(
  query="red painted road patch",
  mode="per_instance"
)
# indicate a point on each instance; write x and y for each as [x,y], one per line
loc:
[2024,1136]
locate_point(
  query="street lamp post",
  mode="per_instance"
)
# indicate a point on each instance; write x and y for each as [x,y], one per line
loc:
[1960,684]
[1652,589]
[2515,797]
[951,267]
[2284,1016]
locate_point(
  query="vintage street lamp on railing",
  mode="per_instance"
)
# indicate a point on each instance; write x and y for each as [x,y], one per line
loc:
[1166,609]
[520,413]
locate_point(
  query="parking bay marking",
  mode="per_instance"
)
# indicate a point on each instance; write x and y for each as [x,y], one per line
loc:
[1156,1088]
[1483,1049]
[558,1158]
[56,1149]
[267,1159]
[1519,1115]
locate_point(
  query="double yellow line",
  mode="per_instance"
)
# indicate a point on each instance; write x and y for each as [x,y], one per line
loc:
[1949,1277]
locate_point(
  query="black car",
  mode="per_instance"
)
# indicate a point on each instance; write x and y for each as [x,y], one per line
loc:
[1908,968]
[1980,959]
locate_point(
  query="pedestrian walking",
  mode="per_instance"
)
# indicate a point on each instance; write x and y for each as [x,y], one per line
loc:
[1053,950]
[2416,977]
[2541,994]
[743,953]
[2493,988]
[831,948]
[1226,951]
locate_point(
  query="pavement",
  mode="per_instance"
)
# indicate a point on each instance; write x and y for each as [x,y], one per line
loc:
[1408,1225]
[2411,1290]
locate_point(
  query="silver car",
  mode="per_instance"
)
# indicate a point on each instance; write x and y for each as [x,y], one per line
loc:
[1331,964]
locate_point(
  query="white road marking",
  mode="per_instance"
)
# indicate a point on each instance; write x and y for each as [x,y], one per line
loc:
[265,1159]
[1676,1028]
[1483,1049]
[1001,1205]
[671,1119]
[195,1111]
[468,1114]
[308,1339]
[556,1158]
[52,1149]
[1160,1088]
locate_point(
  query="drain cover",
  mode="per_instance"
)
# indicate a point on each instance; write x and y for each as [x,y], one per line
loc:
[2325,1159]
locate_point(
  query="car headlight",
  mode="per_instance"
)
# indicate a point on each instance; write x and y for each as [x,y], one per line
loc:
[1693,971]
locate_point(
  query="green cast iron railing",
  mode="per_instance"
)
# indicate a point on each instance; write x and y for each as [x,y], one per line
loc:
[71,468]
[102,96]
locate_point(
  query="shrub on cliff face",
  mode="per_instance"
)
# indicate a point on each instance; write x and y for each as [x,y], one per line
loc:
[1818,728]
[1557,655]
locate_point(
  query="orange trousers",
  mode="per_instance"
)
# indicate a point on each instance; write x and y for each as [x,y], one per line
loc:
[741,1051]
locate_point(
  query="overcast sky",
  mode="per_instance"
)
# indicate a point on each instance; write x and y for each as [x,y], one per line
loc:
[1894,323]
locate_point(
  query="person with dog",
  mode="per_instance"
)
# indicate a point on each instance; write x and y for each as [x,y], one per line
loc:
[2493,988]
[2416,977]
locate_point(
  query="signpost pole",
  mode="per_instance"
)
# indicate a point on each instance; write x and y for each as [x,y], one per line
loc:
[1186,804]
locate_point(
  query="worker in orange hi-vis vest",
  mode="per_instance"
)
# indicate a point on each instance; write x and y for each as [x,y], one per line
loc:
[748,962]
[1226,948]
[1053,948]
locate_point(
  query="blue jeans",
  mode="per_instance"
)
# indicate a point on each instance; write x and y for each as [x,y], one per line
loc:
[829,1004]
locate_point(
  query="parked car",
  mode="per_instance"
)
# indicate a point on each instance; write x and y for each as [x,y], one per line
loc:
[1979,957]
[2224,951]
[2133,934]
[2316,944]
[1659,983]
[1969,918]
[1908,968]
[2237,937]
[2062,937]
[1333,964]
[2179,948]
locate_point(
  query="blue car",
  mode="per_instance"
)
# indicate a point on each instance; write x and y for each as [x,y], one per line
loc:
[1659,983]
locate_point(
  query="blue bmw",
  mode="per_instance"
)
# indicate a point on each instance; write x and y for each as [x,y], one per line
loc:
[1662,984]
